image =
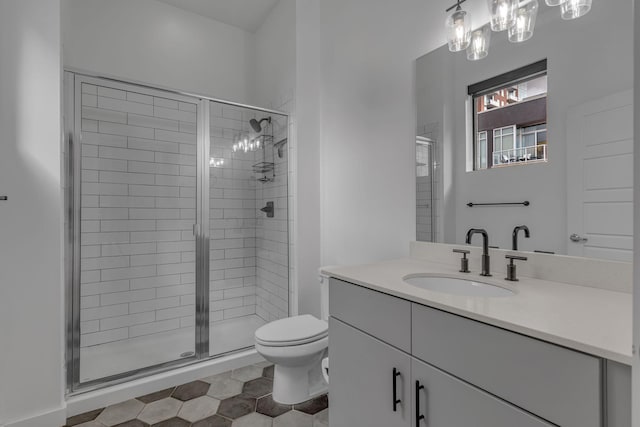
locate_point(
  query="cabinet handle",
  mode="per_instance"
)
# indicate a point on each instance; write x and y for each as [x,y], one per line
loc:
[419,416]
[396,374]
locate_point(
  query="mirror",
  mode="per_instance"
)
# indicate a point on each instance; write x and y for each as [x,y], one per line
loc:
[583,188]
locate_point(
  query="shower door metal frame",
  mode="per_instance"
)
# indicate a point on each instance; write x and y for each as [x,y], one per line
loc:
[73,138]
[72,106]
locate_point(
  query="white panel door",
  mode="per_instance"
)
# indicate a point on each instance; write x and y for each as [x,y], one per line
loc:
[600,178]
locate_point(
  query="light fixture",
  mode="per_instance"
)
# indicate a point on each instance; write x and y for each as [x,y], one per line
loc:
[525,21]
[458,27]
[502,13]
[572,9]
[554,2]
[479,46]
[216,162]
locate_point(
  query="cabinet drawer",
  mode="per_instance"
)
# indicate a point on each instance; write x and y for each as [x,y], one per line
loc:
[385,317]
[560,385]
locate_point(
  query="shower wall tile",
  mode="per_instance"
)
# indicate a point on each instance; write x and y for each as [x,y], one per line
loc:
[138,210]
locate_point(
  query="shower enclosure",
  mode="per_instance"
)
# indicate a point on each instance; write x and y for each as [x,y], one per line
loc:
[425,190]
[177,222]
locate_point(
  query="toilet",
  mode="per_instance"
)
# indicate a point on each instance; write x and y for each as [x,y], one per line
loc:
[297,346]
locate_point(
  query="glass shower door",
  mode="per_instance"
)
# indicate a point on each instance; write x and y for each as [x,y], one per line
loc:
[136,218]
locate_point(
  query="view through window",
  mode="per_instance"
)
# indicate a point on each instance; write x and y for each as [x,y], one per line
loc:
[510,118]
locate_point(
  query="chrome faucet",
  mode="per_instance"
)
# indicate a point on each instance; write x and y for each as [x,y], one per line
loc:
[485,248]
[514,236]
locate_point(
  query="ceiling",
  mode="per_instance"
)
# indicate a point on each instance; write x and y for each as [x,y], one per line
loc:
[245,14]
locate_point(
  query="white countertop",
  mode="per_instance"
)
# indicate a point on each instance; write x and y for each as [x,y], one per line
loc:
[591,320]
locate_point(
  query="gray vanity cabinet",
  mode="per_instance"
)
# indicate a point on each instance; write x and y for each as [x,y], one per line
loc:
[445,401]
[363,367]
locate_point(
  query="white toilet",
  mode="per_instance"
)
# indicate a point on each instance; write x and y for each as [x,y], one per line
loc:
[297,346]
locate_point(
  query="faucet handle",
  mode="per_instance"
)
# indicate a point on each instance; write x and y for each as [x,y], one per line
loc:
[464,262]
[511,267]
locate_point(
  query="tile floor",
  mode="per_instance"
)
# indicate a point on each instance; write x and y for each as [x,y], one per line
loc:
[238,398]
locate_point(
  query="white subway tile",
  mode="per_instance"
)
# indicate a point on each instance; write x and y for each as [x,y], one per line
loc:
[239,272]
[239,292]
[219,285]
[104,312]
[155,327]
[103,238]
[104,139]
[153,168]
[187,170]
[177,181]
[128,273]
[97,338]
[90,277]
[92,113]
[225,264]
[175,159]
[154,122]
[125,130]
[153,145]
[227,244]
[172,313]
[126,154]
[124,106]
[187,192]
[187,106]
[128,249]
[154,213]
[128,225]
[155,282]
[167,135]
[173,291]
[176,246]
[175,224]
[175,202]
[188,214]
[168,113]
[90,226]
[176,268]
[111,93]
[153,190]
[127,297]
[140,98]
[89,125]
[154,304]
[89,176]
[129,320]
[89,301]
[188,149]
[90,251]
[103,263]
[225,303]
[89,150]
[89,327]
[216,316]
[126,202]
[188,127]
[126,178]
[187,256]
[104,287]
[166,103]
[89,88]
[104,189]
[187,322]
[154,236]
[233,313]
[159,259]
[104,164]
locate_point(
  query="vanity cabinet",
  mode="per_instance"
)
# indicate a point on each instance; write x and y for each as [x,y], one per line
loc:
[455,371]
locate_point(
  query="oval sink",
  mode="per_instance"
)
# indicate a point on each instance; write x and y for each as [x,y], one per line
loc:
[454,286]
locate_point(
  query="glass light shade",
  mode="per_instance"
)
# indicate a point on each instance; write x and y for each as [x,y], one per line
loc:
[479,46]
[458,30]
[572,9]
[525,21]
[502,13]
[554,2]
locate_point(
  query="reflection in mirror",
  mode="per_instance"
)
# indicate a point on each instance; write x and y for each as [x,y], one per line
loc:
[580,183]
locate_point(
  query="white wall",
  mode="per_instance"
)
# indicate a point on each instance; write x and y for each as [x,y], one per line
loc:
[31,290]
[636,237]
[158,44]
[368,48]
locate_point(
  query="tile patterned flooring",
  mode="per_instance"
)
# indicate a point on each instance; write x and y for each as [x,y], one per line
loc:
[238,398]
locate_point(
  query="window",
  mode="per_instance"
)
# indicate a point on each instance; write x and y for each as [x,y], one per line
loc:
[510,118]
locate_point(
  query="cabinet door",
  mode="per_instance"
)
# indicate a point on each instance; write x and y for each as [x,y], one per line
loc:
[361,380]
[445,401]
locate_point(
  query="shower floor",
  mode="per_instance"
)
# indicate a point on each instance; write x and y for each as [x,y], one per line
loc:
[114,358]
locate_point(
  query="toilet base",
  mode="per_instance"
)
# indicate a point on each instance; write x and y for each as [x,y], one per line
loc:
[292,385]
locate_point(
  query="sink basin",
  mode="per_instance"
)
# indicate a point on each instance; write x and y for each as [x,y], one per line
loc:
[454,286]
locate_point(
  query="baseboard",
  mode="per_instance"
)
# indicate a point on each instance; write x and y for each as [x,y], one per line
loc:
[53,418]
[84,402]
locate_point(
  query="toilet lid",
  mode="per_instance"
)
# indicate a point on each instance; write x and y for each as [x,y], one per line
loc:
[294,330]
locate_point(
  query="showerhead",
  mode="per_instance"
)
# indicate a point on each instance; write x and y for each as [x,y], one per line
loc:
[257,125]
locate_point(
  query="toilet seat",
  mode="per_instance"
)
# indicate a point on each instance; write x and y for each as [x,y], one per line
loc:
[292,331]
